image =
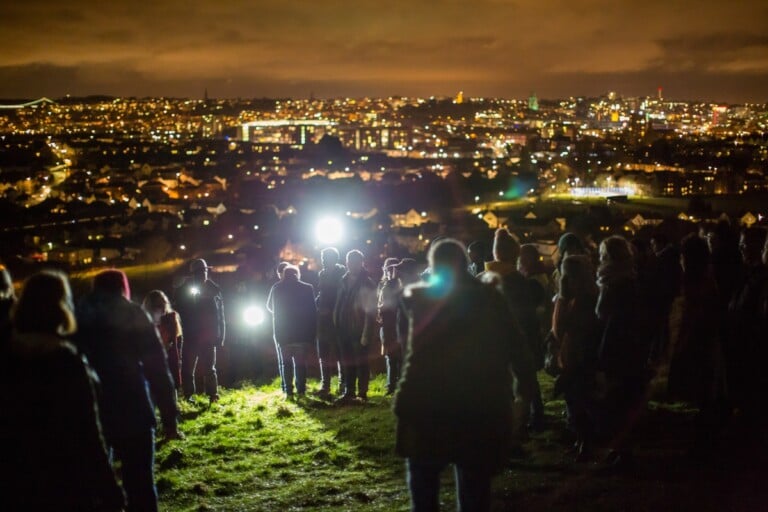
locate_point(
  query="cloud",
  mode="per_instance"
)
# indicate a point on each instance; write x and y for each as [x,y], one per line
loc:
[731,51]
[505,47]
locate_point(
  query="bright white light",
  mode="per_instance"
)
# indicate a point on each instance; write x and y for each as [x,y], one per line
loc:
[194,290]
[253,316]
[328,230]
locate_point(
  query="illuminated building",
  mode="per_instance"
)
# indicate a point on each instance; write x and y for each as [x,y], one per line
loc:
[284,131]
[719,115]
[533,102]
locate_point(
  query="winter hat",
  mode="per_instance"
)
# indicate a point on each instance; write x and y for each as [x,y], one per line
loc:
[505,246]
[198,265]
[570,243]
[112,282]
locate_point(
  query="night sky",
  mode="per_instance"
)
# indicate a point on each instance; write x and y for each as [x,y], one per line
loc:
[715,50]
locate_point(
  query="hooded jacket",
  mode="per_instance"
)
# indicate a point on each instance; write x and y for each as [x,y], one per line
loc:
[328,282]
[355,312]
[453,401]
[54,457]
[124,347]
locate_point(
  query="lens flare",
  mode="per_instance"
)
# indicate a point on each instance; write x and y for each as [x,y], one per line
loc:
[329,230]
[253,316]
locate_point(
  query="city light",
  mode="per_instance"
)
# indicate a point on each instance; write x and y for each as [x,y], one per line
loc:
[194,291]
[329,230]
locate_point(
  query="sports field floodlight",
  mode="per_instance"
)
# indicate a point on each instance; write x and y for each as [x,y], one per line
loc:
[329,230]
[254,316]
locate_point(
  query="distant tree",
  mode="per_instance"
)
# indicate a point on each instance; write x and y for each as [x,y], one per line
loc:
[698,206]
[331,147]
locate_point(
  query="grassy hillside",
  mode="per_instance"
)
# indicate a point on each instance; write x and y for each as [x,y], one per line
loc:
[253,451]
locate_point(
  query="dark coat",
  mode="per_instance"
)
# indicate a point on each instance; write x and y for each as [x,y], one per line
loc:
[328,283]
[696,362]
[5,320]
[625,342]
[746,348]
[389,295]
[665,280]
[292,304]
[577,332]
[454,399]
[54,457]
[125,349]
[522,296]
[201,308]
[355,312]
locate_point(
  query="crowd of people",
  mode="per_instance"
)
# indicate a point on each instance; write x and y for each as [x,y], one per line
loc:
[87,382]
[463,340]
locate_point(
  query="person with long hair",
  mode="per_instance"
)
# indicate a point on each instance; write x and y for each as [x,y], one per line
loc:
[696,367]
[168,324]
[576,332]
[54,456]
[624,347]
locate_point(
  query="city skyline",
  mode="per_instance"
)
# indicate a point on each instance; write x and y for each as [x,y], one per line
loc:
[492,48]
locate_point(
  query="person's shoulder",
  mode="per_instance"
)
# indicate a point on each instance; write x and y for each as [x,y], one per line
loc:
[76,359]
[212,286]
[170,316]
[136,312]
[87,302]
[392,285]
[488,284]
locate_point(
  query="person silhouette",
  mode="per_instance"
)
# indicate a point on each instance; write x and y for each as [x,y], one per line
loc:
[54,456]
